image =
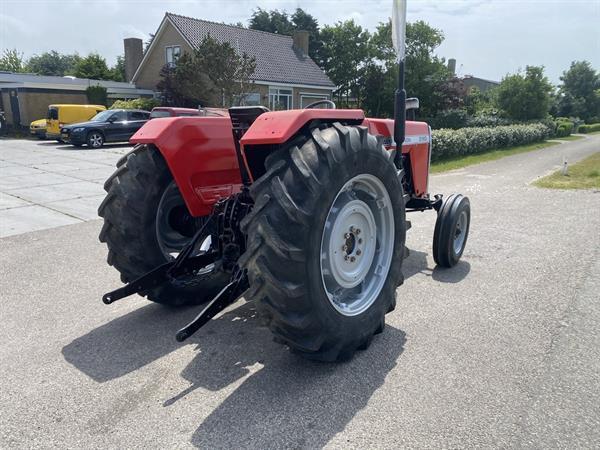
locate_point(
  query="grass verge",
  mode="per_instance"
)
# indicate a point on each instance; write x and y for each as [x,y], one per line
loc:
[572,137]
[582,175]
[491,155]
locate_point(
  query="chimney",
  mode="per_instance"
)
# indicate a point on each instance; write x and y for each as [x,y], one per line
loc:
[452,66]
[301,42]
[133,56]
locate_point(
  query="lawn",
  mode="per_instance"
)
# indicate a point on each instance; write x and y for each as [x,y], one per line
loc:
[491,155]
[582,175]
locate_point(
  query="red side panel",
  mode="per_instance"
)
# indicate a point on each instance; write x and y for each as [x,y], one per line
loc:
[277,127]
[200,154]
[416,143]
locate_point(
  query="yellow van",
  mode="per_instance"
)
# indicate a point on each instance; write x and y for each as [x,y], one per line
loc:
[61,115]
[37,128]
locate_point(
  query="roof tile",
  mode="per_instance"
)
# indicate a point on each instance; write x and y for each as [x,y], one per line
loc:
[276,59]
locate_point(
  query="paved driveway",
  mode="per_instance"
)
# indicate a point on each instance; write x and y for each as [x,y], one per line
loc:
[501,351]
[44,184]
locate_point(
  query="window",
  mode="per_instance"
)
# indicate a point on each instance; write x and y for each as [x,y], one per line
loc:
[118,116]
[247,99]
[53,113]
[308,98]
[159,113]
[172,54]
[137,115]
[280,99]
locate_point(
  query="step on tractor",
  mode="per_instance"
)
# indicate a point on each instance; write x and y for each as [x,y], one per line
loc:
[302,212]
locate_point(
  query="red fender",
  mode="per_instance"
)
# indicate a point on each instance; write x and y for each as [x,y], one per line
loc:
[200,154]
[277,127]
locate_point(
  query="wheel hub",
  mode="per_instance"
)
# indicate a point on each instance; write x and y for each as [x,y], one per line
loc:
[357,244]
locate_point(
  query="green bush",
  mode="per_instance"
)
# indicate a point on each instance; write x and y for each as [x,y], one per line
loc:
[465,141]
[589,128]
[96,95]
[487,121]
[138,103]
[449,118]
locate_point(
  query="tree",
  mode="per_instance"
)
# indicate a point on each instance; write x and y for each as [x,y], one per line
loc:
[427,76]
[273,21]
[578,92]
[525,96]
[280,22]
[344,58]
[12,61]
[117,72]
[301,20]
[52,63]
[214,75]
[93,66]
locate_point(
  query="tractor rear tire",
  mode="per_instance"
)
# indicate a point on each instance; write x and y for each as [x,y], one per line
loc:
[131,211]
[320,189]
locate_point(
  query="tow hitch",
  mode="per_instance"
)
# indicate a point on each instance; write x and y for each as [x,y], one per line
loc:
[230,245]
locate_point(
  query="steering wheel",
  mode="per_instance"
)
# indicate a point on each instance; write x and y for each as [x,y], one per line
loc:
[321,102]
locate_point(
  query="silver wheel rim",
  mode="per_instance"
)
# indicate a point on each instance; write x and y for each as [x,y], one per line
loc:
[460,232]
[96,140]
[357,245]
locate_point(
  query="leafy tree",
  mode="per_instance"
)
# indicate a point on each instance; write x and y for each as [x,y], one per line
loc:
[344,58]
[280,22]
[12,61]
[117,72]
[525,96]
[93,66]
[52,63]
[273,21]
[579,91]
[214,75]
[427,76]
[96,95]
[301,20]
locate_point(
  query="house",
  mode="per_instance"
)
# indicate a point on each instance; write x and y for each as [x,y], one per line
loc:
[24,97]
[285,76]
[467,82]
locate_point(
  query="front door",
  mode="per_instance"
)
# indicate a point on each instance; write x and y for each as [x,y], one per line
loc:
[116,130]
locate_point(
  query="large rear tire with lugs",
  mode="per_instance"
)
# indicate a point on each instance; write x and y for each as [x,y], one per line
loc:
[326,241]
[146,223]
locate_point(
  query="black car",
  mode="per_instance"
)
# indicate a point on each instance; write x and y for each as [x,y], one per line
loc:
[113,125]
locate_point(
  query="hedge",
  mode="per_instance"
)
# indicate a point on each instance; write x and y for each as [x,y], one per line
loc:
[465,141]
[589,128]
[564,129]
[138,103]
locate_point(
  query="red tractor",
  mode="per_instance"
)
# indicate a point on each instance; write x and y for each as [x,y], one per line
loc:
[301,211]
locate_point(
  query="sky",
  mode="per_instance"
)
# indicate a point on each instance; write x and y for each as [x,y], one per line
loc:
[489,39]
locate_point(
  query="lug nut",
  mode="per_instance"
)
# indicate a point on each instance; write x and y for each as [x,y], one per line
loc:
[347,235]
[345,257]
[358,252]
[344,247]
[360,241]
[351,229]
[352,259]
[358,231]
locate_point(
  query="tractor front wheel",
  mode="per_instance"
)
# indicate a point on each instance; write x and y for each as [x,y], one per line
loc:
[326,241]
[146,224]
[451,230]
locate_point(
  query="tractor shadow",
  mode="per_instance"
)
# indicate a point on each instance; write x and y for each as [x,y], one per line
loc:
[417,263]
[129,342]
[282,398]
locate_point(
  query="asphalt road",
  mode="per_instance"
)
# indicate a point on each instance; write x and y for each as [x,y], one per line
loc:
[501,351]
